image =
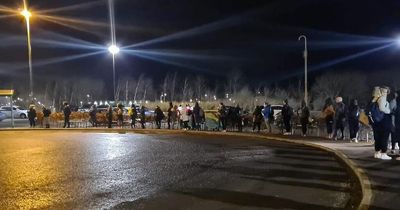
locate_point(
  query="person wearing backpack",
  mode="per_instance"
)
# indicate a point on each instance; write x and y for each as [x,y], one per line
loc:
[353,119]
[381,121]
[340,118]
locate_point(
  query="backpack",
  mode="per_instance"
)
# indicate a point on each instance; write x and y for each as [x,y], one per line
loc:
[375,115]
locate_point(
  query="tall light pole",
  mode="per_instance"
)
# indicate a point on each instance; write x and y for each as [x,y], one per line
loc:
[114,50]
[305,54]
[27,15]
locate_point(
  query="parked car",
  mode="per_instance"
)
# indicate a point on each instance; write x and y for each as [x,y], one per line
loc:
[18,111]
[2,116]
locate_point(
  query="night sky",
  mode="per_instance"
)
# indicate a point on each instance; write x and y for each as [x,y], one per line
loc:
[211,37]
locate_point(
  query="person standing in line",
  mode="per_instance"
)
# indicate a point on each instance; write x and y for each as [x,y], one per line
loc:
[46,115]
[132,112]
[159,116]
[329,112]
[257,118]
[196,116]
[287,113]
[353,117]
[170,113]
[32,116]
[143,117]
[267,112]
[340,118]
[304,117]
[92,114]
[396,122]
[238,117]
[67,113]
[120,115]
[381,121]
[109,116]
[222,116]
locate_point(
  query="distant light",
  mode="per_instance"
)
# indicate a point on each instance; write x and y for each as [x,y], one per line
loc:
[26,13]
[113,49]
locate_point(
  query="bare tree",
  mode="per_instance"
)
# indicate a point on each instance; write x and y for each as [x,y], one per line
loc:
[139,82]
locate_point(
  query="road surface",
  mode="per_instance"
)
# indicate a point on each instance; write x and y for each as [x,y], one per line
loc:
[87,170]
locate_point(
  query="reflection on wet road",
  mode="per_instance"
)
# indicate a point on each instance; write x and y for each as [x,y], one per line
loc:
[77,170]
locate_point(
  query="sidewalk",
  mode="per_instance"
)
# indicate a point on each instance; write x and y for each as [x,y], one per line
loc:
[383,175]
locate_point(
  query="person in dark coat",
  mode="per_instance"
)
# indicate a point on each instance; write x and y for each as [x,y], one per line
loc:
[170,112]
[143,117]
[46,115]
[197,118]
[304,116]
[67,113]
[222,116]
[287,113]
[159,116]
[32,116]
[257,118]
[353,116]
[92,114]
[238,117]
[340,118]
[109,116]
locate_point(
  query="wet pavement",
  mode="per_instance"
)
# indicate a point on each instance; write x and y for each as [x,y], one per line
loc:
[85,170]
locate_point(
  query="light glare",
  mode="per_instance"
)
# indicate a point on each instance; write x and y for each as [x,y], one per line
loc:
[113,49]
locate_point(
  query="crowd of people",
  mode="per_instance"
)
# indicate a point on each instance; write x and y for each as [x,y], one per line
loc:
[383,117]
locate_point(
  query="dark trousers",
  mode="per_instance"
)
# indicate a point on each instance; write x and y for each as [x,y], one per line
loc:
[258,125]
[239,124]
[222,120]
[32,122]
[133,121]
[93,121]
[286,123]
[109,122]
[339,125]
[143,122]
[158,124]
[354,126]
[169,122]
[304,124]
[329,124]
[66,122]
[381,133]
[395,137]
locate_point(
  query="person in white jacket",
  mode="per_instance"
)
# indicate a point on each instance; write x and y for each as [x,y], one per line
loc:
[382,128]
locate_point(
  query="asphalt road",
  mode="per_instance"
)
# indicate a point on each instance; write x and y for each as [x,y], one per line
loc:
[78,170]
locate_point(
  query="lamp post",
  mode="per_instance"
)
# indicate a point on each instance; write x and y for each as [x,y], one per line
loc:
[305,55]
[114,50]
[27,15]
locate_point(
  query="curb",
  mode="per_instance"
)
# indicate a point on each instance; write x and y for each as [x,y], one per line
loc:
[362,179]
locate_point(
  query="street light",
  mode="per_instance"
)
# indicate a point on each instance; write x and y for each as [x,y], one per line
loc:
[113,49]
[305,54]
[27,15]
